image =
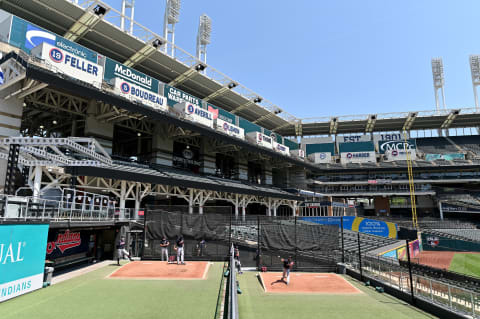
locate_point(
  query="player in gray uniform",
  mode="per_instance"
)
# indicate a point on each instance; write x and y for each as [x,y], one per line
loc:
[164,243]
[180,247]
[287,266]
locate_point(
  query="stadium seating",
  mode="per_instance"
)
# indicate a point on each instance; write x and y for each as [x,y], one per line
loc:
[436,145]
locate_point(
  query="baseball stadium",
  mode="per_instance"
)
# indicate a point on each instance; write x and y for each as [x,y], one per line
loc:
[138,181]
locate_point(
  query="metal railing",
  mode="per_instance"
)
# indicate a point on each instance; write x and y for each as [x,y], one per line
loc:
[232,296]
[447,295]
[40,209]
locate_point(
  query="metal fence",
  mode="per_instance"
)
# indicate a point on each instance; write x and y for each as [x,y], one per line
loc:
[80,209]
[391,273]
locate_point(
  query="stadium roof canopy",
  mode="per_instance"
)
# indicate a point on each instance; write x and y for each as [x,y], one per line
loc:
[102,33]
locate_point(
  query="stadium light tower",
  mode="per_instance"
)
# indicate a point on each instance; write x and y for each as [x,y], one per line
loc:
[438,81]
[203,37]
[475,69]
[172,14]
[126,4]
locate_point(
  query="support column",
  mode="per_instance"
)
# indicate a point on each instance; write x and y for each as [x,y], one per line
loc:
[200,207]
[190,202]
[440,209]
[101,131]
[137,200]
[275,210]
[269,207]
[10,121]
[236,206]
[330,207]
[37,182]
[162,146]
[123,194]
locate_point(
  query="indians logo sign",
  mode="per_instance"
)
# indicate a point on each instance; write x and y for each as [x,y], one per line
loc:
[64,241]
[433,241]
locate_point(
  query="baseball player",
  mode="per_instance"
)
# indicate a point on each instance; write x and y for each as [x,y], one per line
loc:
[180,247]
[164,243]
[287,266]
[121,251]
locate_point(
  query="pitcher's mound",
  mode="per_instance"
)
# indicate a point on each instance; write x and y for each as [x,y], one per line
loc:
[160,270]
[307,283]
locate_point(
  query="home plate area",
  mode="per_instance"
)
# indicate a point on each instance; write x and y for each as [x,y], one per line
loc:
[161,270]
[307,283]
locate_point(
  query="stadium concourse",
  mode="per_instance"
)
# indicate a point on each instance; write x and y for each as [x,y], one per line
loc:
[116,143]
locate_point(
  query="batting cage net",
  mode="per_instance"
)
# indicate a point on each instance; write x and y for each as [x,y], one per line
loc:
[261,241]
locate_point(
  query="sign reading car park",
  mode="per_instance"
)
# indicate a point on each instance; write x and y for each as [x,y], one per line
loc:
[135,92]
[69,64]
[114,69]
[175,96]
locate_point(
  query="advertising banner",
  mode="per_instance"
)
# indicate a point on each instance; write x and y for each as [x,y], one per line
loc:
[260,139]
[27,36]
[193,113]
[353,138]
[134,92]
[281,148]
[69,64]
[452,208]
[358,157]
[447,157]
[221,114]
[389,137]
[298,153]
[399,155]
[230,129]
[358,224]
[22,258]
[175,96]
[66,243]
[114,69]
[323,157]
[396,145]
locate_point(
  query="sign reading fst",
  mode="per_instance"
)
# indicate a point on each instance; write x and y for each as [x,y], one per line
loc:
[22,258]
[69,64]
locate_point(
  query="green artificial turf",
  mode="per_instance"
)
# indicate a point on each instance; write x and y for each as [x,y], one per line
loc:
[94,297]
[255,303]
[468,264]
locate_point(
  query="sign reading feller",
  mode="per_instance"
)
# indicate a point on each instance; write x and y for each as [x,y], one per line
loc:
[135,92]
[22,258]
[70,64]
[230,129]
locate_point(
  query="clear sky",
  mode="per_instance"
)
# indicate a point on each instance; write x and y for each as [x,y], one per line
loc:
[321,58]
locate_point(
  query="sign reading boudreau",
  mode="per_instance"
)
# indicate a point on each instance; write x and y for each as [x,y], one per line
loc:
[70,64]
[134,92]
[22,258]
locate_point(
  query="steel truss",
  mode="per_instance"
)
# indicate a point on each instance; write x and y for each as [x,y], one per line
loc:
[137,191]
[57,151]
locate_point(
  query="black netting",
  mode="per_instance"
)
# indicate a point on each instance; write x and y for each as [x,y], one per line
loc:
[262,240]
